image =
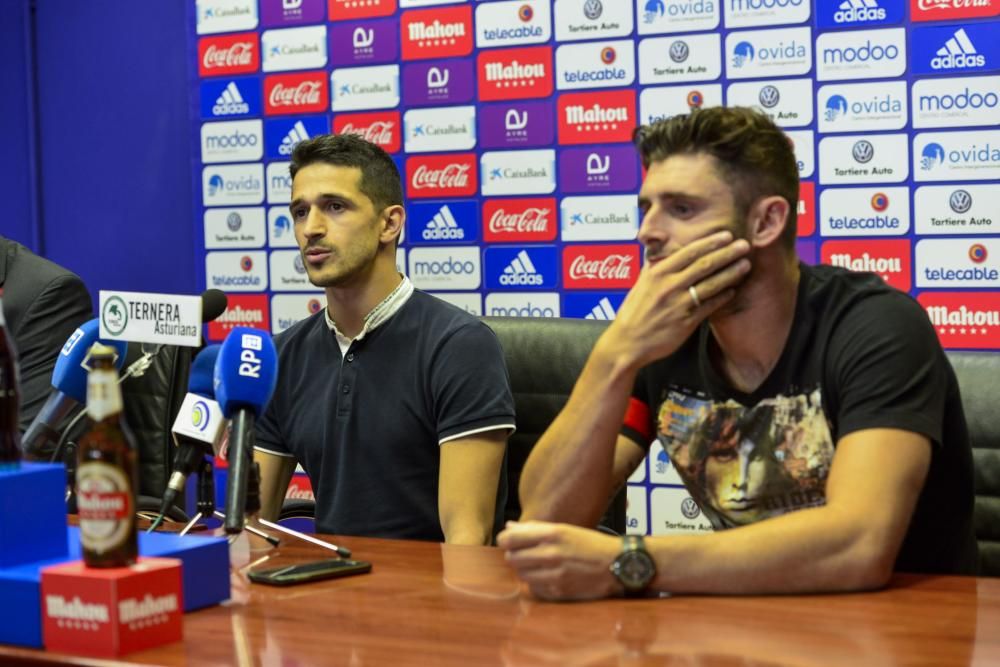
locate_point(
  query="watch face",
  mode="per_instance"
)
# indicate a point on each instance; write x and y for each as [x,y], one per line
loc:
[635,569]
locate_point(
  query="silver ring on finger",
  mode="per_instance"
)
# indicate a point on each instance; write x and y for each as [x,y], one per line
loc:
[694,296]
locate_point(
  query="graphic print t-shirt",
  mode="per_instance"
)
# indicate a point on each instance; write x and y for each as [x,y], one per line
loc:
[860,355]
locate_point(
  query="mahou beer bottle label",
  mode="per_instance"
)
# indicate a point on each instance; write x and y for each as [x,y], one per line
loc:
[104,500]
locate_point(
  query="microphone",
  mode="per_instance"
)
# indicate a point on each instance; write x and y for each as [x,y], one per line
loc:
[199,425]
[69,388]
[245,374]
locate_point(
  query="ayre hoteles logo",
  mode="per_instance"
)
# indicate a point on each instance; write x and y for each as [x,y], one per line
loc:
[760,53]
[297,93]
[511,74]
[859,13]
[519,220]
[606,218]
[862,107]
[228,54]
[518,172]
[447,268]
[964,320]
[661,16]
[289,309]
[448,221]
[381,128]
[341,10]
[864,159]
[878,211]
[611,266]
[230,98]
[368,43]
[598,169]
[861,54]
[516,125]
[375,87]
[522,267]
[957,156]
[956,49]
[214,16]
[439,129]
[436,33]
[595,65]
[591,19]
[236,271]
[513,22]
[949,10]
[889,258]
[234,228]
[596,117]
[678,59]
[749,13]
[451,175]
[957,209]
[958,262]
[522,304]
[666,101]
[284,13]
[788,102]
[242,310]
[232,141]
[294,48]
[283,134]
[232,184]
[965,101]
[438,82]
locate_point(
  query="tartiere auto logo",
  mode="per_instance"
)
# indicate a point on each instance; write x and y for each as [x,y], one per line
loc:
[969,320]
[889,258]
[298,93]
[449,175]
[611,266]
[380,128]
[519,220]
[228,54]
[436,33]
[586,118]
[511,74]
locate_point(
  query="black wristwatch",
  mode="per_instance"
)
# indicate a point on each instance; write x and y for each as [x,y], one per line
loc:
[634,567]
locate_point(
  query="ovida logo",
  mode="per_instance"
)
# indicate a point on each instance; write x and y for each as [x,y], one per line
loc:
[653,10]
[679,51]
[862,151]
[836,107]
[282,226]
[215,185]
[932,156]
[234,221]
[958,53]
[743,54]
[769,96]
[960,201]
[859,11]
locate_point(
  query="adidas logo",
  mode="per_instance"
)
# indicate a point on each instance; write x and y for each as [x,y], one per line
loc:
[230,102]
[295,135]
[443,226]
[602,311]
[521,271]
[958,52]
[858,11]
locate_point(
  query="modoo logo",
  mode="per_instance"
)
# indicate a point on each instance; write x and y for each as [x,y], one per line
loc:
[445,268]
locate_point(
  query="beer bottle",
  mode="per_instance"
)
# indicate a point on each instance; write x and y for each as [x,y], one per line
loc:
[10,433]
[106,471]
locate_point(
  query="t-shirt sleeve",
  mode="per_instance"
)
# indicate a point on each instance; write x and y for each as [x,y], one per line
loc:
[889,369]
[470,384]
[637,424]
[268,434]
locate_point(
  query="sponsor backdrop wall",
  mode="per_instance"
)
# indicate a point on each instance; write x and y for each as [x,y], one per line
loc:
[510,122]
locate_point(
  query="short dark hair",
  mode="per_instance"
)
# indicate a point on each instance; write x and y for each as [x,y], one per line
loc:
[380,180]
[754,155]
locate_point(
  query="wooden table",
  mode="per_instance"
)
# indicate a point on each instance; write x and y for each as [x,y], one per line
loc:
[435,605]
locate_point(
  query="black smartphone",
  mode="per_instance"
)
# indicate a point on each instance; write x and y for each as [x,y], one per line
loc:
[306,572]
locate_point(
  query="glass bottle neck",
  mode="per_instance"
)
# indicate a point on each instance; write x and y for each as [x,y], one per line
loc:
[104,397]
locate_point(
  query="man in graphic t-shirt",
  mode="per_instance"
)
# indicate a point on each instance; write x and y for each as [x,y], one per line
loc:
[810,411]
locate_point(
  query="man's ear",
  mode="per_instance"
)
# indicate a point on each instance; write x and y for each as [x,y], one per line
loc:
[393,219]
[766,220]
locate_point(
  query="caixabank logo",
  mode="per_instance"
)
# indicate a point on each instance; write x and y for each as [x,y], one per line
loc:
[956,49]
[355,88]
[438,82]
[957,209]
[605,117]
[863,159]
[666,101]
[512,74]
[861,54]
[611,266]
[788,102]
[592,305]
[367,43]
[439,129]
[950,10]
[760,53]
[598,169]
[862,107]
[283,134]
[451,221]
[513,23]
[225,16]
[516,125]
[605,218]
[518,172]
[595,65]
[342,10]
[747,13]
[294,48]
[858,13]
[964,320]
[958,263]
[677,59]
[960,102]
[667,16]
[242,310]
[230,98]
[957,156]
[883,211]
[228,55]
[521,220]
[888,258]
[381,128]
[436,33]
[522,267]
[452,175]
[297,93]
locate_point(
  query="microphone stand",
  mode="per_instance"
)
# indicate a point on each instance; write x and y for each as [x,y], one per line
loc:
[206,504]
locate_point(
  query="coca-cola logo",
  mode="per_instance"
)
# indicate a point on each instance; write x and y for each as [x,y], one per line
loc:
[612,267]
[380,128]
[240,53]
[509,220]
[529,220]
[231,54]
[306,92]
[379,132]
[600,266]
[946,10]
[453,175]
[295,93]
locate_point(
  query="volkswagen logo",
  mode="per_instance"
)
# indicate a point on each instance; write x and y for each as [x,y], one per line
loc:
[679,51]
[234,221]
[769,96]
[863,151]
[593,9]
[300,266]
[689,508]
[960,201]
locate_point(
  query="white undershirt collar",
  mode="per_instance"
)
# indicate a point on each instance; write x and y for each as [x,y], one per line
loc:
[378,315]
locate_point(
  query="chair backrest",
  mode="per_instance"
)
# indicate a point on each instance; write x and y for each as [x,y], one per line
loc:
[979,381]
[544,358]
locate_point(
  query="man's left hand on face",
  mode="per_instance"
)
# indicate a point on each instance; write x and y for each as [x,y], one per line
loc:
[561,562]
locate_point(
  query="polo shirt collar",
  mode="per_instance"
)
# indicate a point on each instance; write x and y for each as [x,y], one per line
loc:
[378,315]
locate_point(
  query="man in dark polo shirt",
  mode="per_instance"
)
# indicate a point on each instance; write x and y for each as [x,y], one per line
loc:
[397,404]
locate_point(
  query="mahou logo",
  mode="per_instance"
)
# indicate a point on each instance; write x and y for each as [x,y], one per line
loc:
[341,10]
[380,128]
[453,175]
[587,118]
[806,213]
[949,10]
[969,320]
[514,74]
[227,55]
[436,33]
[242,310]
[519,220]
[299,93]
[888,258]
[600,266]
